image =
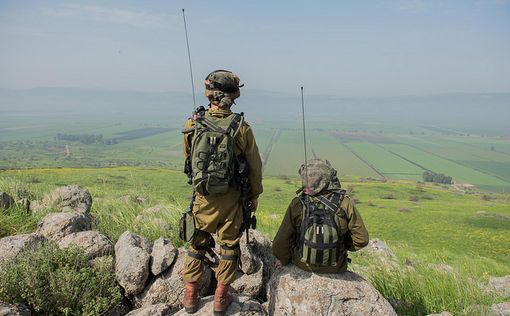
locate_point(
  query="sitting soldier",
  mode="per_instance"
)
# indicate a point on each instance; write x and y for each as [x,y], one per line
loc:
[320,224]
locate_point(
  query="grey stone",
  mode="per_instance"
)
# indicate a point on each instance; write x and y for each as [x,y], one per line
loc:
[500,285]
[56,226]
[70,198]
[378,248]
[249,284]
[132,258]
[501,309]
[162,256]
[168,287]
[441,314]
[13,246]
[292,291]
[152,310]
[14,310]
[6,201]
[24,203]
[241,306]
[92,242]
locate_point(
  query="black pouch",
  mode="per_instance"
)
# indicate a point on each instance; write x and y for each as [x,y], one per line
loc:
[187,226]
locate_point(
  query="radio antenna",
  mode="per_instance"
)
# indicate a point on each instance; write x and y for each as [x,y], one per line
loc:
[189,59]
[304,140]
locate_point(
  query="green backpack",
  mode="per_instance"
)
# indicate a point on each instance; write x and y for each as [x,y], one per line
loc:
[320,241]
[213,159]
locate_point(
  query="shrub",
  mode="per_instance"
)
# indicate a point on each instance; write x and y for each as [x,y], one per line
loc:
[59,282]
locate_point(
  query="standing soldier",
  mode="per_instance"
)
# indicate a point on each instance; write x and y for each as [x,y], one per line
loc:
[218,144]
[320,224]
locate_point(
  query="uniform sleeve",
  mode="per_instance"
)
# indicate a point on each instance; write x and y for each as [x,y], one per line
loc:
[186,139]
[252,155]
[287,233]
[357,231]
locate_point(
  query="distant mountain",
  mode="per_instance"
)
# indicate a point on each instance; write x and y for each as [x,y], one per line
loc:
[476,108]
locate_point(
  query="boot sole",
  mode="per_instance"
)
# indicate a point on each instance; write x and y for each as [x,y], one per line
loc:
[191,310]
[216,313]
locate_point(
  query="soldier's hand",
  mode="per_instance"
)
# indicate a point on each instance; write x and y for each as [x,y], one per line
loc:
[253,205]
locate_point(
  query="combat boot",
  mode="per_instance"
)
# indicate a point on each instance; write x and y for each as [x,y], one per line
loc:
[222,299]
[190,300]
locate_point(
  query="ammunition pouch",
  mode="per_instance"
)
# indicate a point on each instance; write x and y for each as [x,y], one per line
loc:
[187,228]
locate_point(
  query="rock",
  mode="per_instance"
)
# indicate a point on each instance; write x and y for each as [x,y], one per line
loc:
[292,291]
[500,285]
[441,314]
[262,247]
[501,309]
[241,306]
[168,287]
[70,198]
[250,261]
[14,310]
[24,203]
[156,216]
[378,248]
[249,284]
[120,309]
[92,242]
[6,201]
[152,310]
[36,206]
[132,258]
[56,226]
[162,256]
[12,246]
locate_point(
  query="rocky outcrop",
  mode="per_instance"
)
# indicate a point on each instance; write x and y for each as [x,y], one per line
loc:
[163,255]
[501,309]
[168,287]
[56,226]
[241,306]
[13,246]
[93,243]
[132,258]
[6,201]
[70,198]
[378,248]
[293,291]
[249,284]
[500,285]
[152,310]
[14,310]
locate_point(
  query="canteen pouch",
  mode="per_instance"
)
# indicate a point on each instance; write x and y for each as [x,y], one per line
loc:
[187,226]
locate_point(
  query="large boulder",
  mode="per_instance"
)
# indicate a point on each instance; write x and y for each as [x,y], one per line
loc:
[500,285]
[14,310]
[132,258]
[292,291]
[241,306]
[162,256]
[13,246]
[378,248]
[6,201]
[70,198]
[56,226]
[251,285]
[93,243]
[152,310]
[168,287]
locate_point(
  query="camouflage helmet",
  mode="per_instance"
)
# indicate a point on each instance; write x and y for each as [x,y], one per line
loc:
[222,80]
[222,87]
[321,176]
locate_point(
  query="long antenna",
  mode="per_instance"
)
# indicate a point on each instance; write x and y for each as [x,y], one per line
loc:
[189,58]
[304,139]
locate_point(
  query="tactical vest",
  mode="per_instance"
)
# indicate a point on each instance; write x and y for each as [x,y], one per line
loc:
[320,241]
[213,158]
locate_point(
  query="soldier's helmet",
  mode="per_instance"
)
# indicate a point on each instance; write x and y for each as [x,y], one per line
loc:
[318,176]
[222,86]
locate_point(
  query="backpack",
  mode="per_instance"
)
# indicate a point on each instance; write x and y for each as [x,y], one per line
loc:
[213,159]
[320,241]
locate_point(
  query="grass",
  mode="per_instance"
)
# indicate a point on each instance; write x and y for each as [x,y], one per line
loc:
[440,225]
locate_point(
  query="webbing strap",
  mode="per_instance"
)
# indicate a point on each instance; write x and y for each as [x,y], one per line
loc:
[229,257]
[212,126]
[333,205]
[197,256]
[317,245]
[230,247]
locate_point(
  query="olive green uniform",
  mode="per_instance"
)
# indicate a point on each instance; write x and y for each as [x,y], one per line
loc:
[221,214]
[285,241]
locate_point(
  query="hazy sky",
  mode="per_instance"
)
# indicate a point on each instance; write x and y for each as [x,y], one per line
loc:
[331,47]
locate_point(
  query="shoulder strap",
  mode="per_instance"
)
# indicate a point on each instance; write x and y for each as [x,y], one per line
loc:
[333,205]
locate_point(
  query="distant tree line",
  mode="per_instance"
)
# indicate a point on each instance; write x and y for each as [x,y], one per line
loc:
[429,176]
[86,139]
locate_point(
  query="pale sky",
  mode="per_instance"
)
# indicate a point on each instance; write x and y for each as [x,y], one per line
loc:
[349,48]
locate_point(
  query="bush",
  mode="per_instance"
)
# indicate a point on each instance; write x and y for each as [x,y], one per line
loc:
[52,281]
[429,176]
